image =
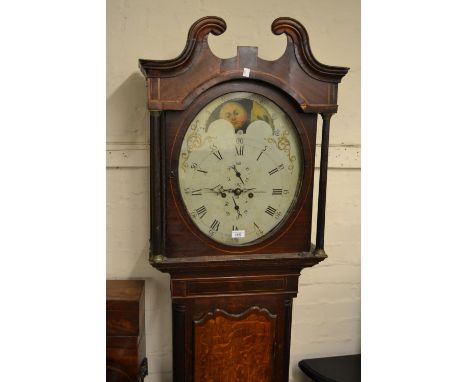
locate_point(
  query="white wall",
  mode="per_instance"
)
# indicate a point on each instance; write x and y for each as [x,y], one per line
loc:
[326,316]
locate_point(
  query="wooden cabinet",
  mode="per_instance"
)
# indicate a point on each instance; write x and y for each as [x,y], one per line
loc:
[232,156]
[125,331]
[233,324]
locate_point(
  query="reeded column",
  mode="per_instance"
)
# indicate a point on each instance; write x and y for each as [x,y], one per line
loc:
[322,196]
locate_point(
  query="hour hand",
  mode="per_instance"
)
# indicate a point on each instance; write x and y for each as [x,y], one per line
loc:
[216,189]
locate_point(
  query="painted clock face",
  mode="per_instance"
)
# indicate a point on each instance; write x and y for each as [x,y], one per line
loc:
[240,168]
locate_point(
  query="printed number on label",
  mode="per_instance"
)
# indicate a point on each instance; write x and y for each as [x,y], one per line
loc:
[240,233]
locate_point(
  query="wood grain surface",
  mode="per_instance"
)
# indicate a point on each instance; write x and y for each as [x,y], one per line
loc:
[125,330]
[234,348]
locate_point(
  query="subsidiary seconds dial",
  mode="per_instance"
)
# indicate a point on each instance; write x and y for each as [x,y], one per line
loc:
[240,168]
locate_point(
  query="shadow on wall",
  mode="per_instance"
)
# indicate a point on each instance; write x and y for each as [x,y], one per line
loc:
[127,115]
[158,316]
[128,220]
[297,374]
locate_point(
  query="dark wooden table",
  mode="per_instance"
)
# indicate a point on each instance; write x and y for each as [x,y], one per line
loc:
[333,369]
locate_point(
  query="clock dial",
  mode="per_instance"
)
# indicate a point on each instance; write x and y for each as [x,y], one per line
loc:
[240,168]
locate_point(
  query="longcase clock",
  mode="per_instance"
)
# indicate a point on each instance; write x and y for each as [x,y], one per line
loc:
[232,178]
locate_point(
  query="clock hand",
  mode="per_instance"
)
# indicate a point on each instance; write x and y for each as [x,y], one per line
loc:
[239,191]
[238,174]
[218,189]
[236,207]
[213,188]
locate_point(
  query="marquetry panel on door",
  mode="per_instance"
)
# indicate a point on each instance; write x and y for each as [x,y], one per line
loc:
[232,348]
